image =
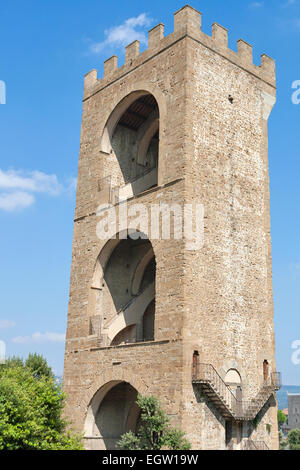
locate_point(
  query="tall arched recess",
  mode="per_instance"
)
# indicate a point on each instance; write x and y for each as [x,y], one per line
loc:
[123,291]
[112,412]
[131,142]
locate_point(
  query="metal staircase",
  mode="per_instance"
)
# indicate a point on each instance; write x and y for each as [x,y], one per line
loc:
[254,445]
[225,401]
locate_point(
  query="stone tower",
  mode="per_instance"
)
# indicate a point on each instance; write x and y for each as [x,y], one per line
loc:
[183,123]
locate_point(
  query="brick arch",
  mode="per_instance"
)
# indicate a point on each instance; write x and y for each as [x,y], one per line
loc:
[100,389]
[234,364]
[133,312]
[118,105]
[139,272]
[128,95]
[107,249]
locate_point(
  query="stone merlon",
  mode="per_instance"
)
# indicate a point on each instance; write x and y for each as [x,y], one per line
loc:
[187,23]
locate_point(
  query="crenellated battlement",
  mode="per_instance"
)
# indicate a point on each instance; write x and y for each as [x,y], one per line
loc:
[187,23]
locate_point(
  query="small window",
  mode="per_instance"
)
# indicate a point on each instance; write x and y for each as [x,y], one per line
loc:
[265,370]
[195,363]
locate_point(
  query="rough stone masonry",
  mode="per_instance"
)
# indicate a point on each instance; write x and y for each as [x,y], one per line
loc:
[183,122]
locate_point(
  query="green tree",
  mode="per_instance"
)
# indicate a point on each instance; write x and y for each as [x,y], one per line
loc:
[294,439]
[282,441]
[38,366]
[281,418]
[14,361]
[31,405]
[154,431]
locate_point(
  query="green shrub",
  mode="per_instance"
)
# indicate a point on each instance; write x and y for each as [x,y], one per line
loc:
[154,431]
[31,405]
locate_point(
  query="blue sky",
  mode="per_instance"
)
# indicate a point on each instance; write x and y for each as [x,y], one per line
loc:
[46,47]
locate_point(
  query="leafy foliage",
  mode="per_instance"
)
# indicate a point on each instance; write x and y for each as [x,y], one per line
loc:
[282,442]
[129,441]
[38,366]
[174,440]
[154,431]
[294,439]
[31,404]
[281,418]
[14,361]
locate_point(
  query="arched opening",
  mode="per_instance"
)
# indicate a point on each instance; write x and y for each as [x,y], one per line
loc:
[131,138]
[112,412]
[148,322]
[123,291]
[234,381]
[233,430]
[127,335]
[120,269]
[233,377]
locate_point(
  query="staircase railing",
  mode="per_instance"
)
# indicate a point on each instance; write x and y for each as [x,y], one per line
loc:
[254,445]
[239,409]
[252,407]
[207,373]
[276,380]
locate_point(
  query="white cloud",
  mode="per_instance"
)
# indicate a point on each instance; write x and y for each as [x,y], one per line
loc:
[15,200]
[38,337]
[256,4]
[34,181]
[124,34]
[7,324]
[17,187]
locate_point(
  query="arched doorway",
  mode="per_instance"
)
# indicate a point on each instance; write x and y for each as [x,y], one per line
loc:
[233,378]
[234,430]
[131,142]
[122,298]
[234,381]
[112,412]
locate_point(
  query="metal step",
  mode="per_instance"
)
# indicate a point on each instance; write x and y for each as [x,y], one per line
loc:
[214,388]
